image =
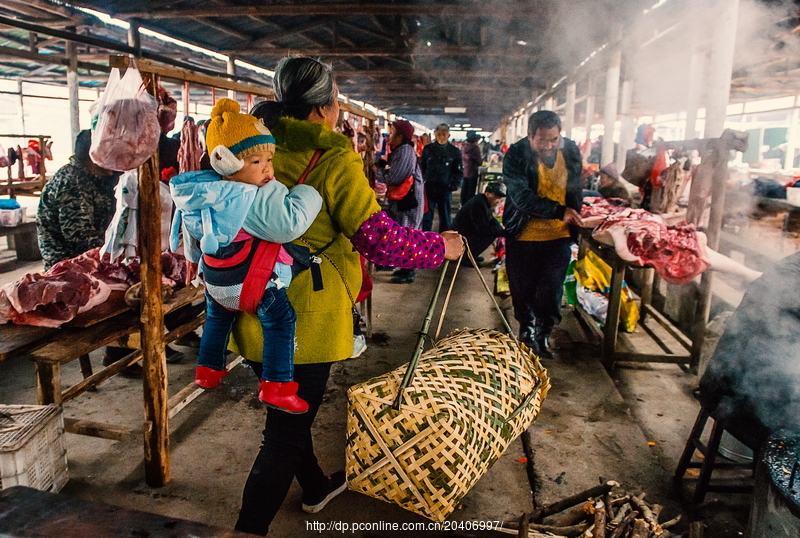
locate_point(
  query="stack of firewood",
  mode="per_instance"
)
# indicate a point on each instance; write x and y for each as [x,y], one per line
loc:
[604,511]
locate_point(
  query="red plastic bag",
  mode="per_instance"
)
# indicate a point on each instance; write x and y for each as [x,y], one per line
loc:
[398,192]
[127,131]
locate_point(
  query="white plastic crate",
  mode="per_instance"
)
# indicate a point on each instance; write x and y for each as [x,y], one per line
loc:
[793,195]
[32,448]
[12,217]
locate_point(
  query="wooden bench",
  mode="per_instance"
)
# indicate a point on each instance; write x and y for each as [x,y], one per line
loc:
[22,238]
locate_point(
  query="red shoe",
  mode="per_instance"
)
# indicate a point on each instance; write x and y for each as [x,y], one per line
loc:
[282,396]
[208,378]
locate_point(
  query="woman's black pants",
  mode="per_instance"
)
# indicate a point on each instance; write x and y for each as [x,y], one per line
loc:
[287,452]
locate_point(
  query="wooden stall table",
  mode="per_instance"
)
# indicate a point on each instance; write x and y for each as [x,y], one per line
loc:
[610,331]
[26,512]
[118,325]
[18,340]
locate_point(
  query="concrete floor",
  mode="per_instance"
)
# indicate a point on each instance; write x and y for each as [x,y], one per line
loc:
[630,428]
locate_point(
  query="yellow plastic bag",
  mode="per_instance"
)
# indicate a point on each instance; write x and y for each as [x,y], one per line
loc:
[501,285]
[593,273]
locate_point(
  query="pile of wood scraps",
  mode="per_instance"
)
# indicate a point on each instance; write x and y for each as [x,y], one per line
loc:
[604,511]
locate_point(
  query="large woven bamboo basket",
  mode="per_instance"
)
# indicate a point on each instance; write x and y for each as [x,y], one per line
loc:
[470,397]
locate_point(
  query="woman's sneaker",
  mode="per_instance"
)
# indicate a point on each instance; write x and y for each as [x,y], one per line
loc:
[359,345]
[337,483]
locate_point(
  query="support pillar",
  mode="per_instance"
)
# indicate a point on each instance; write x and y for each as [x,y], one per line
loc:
[612,99]
[791,137]
[695,88]
[590,97]
[627,127]
[231,71]
[550,103]
[21,106]
[569,114]
[72,90]
[726,18]
[134,38]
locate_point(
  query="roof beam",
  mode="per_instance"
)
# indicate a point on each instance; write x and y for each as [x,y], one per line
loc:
[267,40]
[117,47]
[222,28]
[363,30]
[433,73]
[58,59]
[448,50]
[330,9]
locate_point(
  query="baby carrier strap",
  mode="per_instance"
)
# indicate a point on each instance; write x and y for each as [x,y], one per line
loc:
[258,276]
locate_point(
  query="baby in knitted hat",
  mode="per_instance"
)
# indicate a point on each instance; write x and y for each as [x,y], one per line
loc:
[243,272]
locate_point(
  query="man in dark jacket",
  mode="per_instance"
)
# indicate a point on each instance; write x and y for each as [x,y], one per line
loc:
[471,160]
[543,175]
[475,220]
[76,206]
[441,170]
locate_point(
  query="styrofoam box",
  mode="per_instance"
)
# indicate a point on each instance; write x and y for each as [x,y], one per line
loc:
[33,452]
[793,195]
[12,217]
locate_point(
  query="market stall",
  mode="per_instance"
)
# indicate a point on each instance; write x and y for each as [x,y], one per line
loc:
[117,323]
[25,163]
[613,251]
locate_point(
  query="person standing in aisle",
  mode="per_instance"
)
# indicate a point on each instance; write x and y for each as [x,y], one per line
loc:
[471,161]
[401,167]
[442,172]
[542,173]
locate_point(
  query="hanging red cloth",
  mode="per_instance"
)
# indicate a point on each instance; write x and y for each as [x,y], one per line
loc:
[661,163]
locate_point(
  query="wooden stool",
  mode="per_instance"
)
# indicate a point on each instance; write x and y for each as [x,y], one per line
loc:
[709,463]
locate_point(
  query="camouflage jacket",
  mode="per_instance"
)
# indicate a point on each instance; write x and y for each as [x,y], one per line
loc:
[75,209]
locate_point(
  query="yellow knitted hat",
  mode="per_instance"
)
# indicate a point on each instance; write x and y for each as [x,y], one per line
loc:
[232,136]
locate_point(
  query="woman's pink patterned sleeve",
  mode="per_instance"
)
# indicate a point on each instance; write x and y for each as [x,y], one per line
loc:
[383,241]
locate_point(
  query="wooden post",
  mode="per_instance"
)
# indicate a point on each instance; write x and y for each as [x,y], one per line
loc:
[713,231]
[186,100]
[612,98]
[42,165]
[154,364]
[569,115]
[72,89]
[611,327]
[369,154]
[213,96]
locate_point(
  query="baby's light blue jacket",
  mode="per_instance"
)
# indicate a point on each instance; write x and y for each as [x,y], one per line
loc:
[212,210]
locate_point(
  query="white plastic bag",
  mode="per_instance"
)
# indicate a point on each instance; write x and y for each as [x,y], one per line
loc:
[127,131]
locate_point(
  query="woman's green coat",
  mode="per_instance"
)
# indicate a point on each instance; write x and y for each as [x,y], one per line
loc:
[324,318]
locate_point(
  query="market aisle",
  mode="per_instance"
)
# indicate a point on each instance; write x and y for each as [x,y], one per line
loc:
[586,430]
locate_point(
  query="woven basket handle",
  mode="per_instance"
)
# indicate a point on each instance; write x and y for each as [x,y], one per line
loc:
[412,365]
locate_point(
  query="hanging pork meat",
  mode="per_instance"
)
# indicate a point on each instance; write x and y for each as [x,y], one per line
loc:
[191,149]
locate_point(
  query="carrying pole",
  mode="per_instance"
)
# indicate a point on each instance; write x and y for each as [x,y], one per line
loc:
[412,365]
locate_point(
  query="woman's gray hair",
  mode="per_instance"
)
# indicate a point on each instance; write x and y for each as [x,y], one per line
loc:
[304,81]
[300,84]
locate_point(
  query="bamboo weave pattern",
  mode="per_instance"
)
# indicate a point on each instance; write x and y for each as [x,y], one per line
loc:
[452,425]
